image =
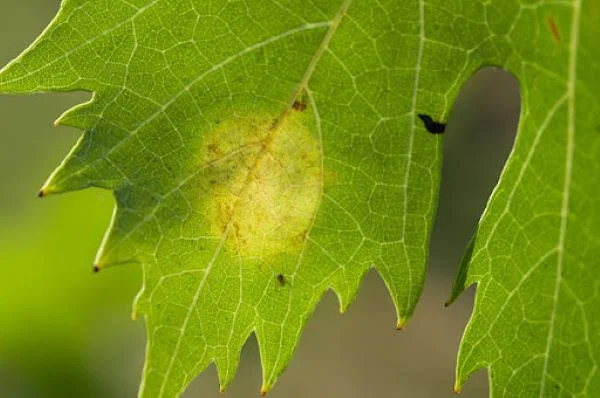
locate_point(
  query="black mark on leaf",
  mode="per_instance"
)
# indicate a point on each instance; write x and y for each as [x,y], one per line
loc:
[299,106]
[431,125]
[281,279]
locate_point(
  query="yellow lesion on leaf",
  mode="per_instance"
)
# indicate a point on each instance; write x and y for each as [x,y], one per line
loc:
[265,183]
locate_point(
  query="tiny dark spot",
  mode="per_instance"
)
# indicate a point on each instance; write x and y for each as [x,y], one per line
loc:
[299,106]
[96,269]
[41,194]
[214,148]
[281,279]
[431,125]
[213,182]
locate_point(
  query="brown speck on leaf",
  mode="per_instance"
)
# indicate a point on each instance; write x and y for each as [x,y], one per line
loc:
[41,194]
[214,148]
[96,269]
[299,106]
[281,279]
[554,30]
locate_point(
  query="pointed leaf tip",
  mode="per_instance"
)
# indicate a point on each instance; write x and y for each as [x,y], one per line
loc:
[457,388]
[401,324]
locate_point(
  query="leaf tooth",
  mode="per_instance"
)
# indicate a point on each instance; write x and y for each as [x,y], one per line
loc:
[115,248]
[346,285]
[24,76]
[227,362]
[404,301]
[264,390]
[70,175]
[401,324]
[13,79]
[457,387]
[462,280]
[80,116]
[277,343]
[136,307]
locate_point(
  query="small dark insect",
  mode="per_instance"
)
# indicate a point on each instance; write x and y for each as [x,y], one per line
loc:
[281,279]
[299,106]
[431,125]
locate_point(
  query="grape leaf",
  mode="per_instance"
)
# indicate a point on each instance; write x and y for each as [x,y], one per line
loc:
[254,164]
[536,319]
[262,153]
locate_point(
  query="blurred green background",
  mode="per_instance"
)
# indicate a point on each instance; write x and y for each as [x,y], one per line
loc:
[66,332]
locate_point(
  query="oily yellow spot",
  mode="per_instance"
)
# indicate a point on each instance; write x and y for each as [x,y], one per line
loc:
[265,183]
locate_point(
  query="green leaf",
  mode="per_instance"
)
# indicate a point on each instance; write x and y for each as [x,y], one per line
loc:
[264,152]
[258,159]
[536,319]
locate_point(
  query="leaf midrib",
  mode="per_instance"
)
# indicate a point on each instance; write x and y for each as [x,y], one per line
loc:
[564,213]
